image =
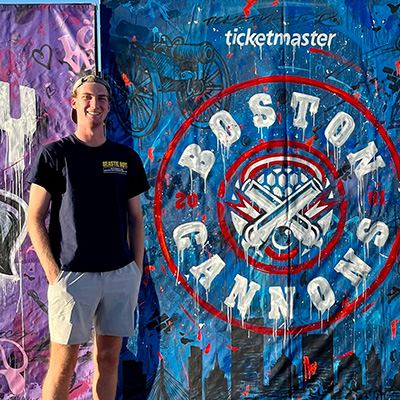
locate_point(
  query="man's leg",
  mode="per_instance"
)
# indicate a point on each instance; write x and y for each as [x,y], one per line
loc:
[106,359]
[61,367]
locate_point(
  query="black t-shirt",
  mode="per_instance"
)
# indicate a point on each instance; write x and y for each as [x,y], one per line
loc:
[90,188]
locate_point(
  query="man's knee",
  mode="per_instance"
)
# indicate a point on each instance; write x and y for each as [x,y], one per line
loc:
[107,349]
[106,358]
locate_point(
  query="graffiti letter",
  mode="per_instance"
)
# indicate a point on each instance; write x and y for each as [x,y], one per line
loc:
[197,160]
[73,57]
[365,232]
[18,130]
[321,294]
[210,269]
[354,269]
[263,116]
[339,129]
[239,291]
[196,227]
[15,380]
[13,231]
[280,304]
[302,101]
[365,155]
[225,128]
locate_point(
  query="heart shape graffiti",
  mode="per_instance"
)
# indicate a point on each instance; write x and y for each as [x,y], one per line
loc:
[43,56]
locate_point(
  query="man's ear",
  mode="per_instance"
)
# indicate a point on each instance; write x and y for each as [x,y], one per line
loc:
[73,102]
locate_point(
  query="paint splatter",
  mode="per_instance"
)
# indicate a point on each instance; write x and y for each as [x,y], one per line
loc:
[393,327]
[150,153]
[309,369]
[126,80]
[344,355]
[207,349]
[250,4]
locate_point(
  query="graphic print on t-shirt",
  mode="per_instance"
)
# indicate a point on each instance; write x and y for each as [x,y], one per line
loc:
[115,167]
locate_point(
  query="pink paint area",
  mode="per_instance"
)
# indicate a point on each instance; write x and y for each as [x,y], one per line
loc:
[15,380]
[80,389]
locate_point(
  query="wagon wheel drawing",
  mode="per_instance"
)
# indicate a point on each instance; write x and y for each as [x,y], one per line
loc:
[136,99]
[197,91]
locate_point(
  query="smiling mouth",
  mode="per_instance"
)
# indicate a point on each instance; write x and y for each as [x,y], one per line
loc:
[93,113]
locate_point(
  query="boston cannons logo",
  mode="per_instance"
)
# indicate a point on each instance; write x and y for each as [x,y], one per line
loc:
[284,210]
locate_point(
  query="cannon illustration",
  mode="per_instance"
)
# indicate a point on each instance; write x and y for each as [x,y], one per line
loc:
[195,72]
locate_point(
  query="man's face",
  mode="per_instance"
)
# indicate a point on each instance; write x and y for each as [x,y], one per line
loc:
[91,104]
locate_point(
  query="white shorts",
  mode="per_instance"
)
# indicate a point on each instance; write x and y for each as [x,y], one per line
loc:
[79,300]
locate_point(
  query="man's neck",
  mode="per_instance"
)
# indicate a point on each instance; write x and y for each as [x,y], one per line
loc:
[91,137]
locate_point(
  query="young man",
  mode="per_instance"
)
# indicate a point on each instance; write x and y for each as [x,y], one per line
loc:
[92,254]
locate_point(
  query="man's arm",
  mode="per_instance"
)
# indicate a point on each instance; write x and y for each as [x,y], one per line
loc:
[136,230]
[39,202]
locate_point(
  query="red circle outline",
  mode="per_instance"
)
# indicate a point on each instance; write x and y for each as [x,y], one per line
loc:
[351,307]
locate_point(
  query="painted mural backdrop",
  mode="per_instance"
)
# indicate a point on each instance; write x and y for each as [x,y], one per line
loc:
[42,50]
[270,134]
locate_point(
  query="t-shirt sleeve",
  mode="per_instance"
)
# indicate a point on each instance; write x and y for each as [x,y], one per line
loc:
[137,177]
[46,172]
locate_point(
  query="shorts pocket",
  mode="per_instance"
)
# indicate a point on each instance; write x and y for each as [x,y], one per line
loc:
[59,276]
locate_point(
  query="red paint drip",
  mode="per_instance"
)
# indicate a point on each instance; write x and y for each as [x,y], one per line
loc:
[246,392]
[203,218]
[229,55]
[163,269]
[160,357]
[167,179]
[397,64]
[310,141]
[208,347]
[393,327]
[150,153]
[134,39]
[275,3]
[344,355]
[279,117]
[199,335]
[357,95]
[187,376]
[250,4]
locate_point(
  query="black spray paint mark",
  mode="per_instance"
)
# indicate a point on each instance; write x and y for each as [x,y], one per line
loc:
[43,56]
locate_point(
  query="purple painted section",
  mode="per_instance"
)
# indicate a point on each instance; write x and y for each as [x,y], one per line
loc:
[42,50]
